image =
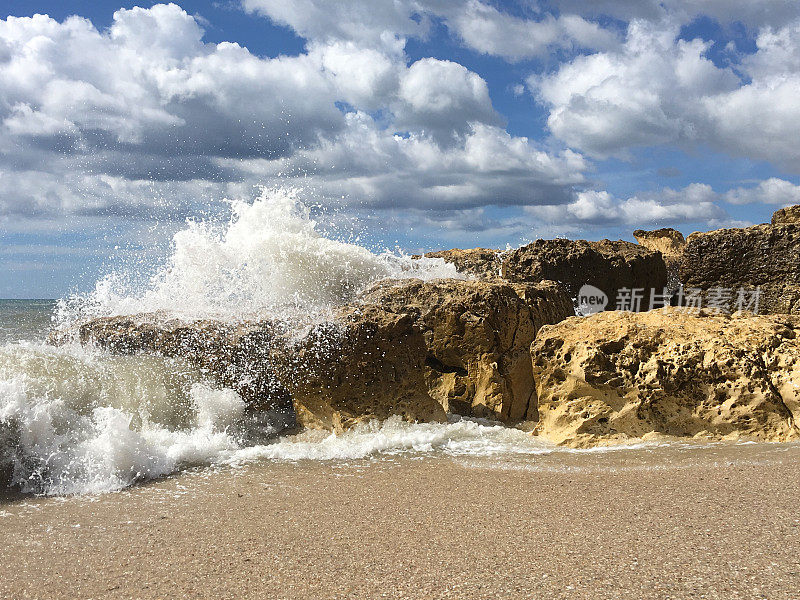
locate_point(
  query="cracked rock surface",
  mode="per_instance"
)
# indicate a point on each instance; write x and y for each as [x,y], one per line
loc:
[614,376]
[477,336]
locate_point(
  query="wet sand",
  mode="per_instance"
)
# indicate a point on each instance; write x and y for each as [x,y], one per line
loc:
[714,522]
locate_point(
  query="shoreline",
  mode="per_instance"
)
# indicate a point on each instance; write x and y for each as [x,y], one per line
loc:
[677,521]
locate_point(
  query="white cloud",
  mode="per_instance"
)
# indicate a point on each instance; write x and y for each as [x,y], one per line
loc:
[657,90]
[135,120]
[696,202]
[477,24]
[489,31]
[370,22]
[442,97]
[373,169]
[770,191]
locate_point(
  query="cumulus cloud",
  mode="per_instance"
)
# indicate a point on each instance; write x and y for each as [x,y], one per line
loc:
[484,28]
[137,120]
[370,22]
[648,92]
[477,24]
[395,171]
[696,202]
[770,191]
[657,89]
[444,98]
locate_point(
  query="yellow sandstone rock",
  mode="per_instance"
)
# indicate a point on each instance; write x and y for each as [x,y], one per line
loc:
[614,376]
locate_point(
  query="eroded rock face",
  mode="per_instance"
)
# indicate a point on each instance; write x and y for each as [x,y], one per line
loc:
[363,363]
[765,256]
[236,355]
[617,375]
[607,265]
[670,243]
[480,263]
[366,363]
[788,215]
[477,336]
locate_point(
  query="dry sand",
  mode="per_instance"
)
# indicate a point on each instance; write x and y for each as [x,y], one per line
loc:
[715,522]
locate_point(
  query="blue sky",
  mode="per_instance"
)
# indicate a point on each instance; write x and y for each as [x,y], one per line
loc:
[418,124]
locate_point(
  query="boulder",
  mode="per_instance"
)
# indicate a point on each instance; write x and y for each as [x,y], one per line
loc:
[362,363]
[784,216]
[670,243]
[730,261]
[365,363]
[615,376]
[479,263]
[236,355]
[607,265]
[477,336]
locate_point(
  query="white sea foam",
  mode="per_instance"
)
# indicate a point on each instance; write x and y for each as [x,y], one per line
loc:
[77,421]
[74,421]
[395,436]
[269,258]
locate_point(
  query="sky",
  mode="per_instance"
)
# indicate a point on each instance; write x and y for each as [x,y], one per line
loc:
[411,124]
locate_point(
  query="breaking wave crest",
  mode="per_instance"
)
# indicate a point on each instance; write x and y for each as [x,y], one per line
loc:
[269,259]
[76,421]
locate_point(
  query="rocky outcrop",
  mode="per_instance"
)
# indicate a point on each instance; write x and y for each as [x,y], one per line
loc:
[788,215]
[761,256]
[479,263]
[614,376]
[236,355]
[408,347]
[366,363]
[607,265]
[360,364]
[670,243]
[477,337]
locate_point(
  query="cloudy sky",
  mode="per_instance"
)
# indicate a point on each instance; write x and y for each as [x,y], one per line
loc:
[418,124]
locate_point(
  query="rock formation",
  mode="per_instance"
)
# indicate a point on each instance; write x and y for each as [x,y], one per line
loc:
[480,263]
[236,355]
[765,256]
[784,216]
[508,348]
[478,337]
[362,363]
[670,243]
[367,363]
[408,348]
[607,265]
[618,375]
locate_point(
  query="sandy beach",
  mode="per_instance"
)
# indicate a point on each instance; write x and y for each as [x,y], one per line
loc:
[719,521]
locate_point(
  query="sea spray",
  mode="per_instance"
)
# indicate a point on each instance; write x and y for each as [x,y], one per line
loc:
[78,421]
[269,259]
